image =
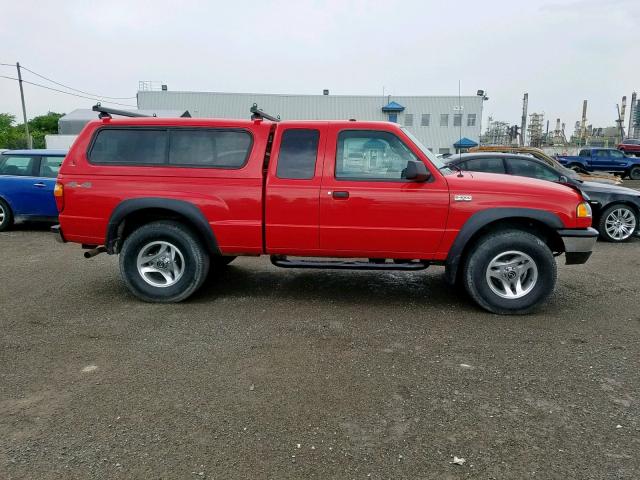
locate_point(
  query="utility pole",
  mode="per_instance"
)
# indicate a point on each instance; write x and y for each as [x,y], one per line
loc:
[24,110]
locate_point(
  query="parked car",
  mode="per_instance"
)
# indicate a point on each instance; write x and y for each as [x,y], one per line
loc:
[630,146]
[599,177]
[616,209]
[605,160]
[27,179]
[176,197]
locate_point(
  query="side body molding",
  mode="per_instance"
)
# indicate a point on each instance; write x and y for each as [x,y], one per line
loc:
[179,207]
[484,217]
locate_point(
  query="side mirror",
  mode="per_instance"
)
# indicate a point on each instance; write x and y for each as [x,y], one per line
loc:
[563,179]
[416,172]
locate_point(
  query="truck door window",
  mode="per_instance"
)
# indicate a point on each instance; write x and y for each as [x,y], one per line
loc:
[371,155]
[297,154]
[617,155]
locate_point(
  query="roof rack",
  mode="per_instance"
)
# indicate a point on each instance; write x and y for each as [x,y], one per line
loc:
[257,114]
[105,112]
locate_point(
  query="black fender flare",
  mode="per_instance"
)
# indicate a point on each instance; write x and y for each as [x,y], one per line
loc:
[483,218]
[185,209]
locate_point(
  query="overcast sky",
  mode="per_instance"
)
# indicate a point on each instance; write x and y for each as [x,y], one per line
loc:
[561,52]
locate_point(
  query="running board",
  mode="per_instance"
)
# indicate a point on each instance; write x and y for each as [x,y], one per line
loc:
[284,262]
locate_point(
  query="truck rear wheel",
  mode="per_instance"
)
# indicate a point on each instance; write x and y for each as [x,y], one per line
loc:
[510,272]
[163,262]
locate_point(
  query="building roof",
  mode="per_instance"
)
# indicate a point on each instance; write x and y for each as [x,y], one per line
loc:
[393,107]
[465,142]
[36,151]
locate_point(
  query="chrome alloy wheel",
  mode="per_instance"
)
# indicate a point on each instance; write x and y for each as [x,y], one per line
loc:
[160,264]
[3,214]
[620,223]
[512,274]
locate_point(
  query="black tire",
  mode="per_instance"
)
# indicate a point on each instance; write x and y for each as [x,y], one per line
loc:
[634,173]
[489,248]
[6,216]
[627,213]
[193,261]
[222,261]
[576,167]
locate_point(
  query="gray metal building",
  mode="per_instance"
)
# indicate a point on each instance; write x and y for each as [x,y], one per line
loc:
[438,121]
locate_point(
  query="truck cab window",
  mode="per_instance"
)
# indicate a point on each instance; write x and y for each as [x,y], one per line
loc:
[298,153]
[371,155]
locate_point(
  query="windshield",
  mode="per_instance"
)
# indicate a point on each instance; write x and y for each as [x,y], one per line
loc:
[428,153]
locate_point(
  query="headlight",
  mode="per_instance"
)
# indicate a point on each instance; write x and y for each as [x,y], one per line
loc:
[584,210]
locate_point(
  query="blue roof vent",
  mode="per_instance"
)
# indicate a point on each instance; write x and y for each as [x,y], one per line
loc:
[392,107]
[464,142]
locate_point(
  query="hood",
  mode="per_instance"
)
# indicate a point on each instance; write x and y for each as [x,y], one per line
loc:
[499,182]
[596,187]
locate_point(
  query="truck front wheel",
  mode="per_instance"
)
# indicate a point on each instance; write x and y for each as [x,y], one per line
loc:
[510,272]
[163,262]
[634,173]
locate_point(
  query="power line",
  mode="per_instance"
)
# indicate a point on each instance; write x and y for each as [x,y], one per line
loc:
[74,89]
[66,86]
[96,98]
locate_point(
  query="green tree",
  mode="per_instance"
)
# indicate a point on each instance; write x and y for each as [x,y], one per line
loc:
[46,123]
[9,135]
[13,136]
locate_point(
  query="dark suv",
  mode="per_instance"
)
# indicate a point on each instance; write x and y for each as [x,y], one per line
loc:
[616,210]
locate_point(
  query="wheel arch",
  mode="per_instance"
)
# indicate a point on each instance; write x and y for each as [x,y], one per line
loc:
[133,213]
[538,222]
[619,201]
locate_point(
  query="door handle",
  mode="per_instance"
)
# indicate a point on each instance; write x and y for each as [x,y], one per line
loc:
[340,194]
[39,184]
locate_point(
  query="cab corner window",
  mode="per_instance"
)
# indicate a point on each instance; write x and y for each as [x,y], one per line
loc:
[371,155]
[297,154]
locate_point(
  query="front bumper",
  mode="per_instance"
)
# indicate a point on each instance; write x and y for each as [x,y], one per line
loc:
[57,231]
[578,244]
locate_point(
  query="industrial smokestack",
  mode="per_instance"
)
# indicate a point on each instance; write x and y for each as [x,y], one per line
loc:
[583,125]
[523,125]
[632,112]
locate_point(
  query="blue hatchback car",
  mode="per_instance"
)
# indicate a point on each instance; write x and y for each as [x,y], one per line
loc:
[27,179]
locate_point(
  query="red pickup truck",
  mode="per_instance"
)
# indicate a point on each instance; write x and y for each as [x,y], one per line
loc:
[176,198]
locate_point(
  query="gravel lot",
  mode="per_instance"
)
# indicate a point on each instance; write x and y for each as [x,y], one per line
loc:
[270,373]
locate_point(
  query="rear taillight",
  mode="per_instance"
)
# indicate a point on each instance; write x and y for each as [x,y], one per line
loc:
[58,193]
